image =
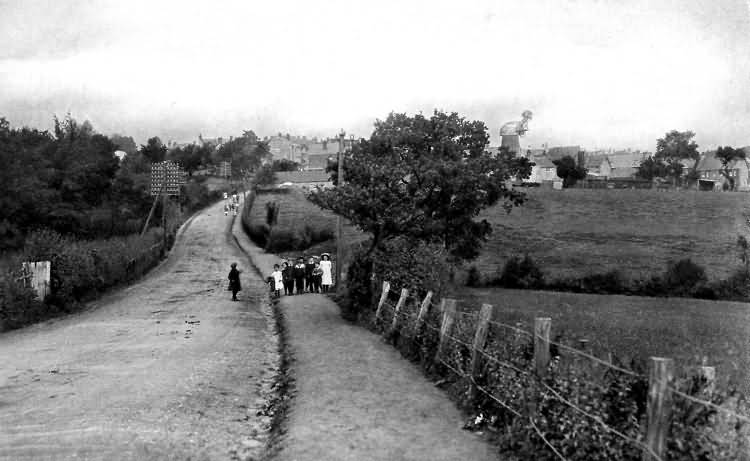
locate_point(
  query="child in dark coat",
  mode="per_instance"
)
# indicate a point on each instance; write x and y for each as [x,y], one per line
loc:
[309,275]
[286,273]
[317,278]
[298,272]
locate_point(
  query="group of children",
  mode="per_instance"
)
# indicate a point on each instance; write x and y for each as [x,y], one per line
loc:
[232,204]
[315,276]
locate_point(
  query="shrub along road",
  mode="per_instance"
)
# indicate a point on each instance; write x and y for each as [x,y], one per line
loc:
[168,368]
[356,398]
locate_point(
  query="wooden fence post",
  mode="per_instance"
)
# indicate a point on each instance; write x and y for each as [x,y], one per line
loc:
[383,297]
[541,344]
[480,338]
[449,316]
[423,312]
[658,407]
[399,306]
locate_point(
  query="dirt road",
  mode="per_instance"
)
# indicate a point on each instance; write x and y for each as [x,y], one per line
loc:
[169,368]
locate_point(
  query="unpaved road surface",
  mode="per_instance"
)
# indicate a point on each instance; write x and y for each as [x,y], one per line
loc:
[169,368]
[356,398]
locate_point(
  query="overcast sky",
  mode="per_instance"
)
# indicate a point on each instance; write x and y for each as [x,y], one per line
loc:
[600,73]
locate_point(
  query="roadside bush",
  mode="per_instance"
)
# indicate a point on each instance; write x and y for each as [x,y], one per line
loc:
[473,278]
[682,277]
[81,269]
[18,303]
[258,233]
[281,240]
[521,273]
[611,282]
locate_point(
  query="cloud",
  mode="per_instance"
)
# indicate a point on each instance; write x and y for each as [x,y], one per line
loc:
[595,72]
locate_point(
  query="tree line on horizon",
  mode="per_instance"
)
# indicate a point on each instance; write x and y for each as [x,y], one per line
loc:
[69,180]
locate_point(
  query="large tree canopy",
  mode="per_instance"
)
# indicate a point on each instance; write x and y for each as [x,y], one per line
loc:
[727,156]
[674,149]
[426,179]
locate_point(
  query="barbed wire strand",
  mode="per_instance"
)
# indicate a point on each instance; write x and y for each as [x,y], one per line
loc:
[544,439]
[599,421]
[511,327]
[500,402]
[709,404]
[503,363]
[595,359]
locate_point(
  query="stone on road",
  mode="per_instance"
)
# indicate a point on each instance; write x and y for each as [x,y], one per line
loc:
[169,368]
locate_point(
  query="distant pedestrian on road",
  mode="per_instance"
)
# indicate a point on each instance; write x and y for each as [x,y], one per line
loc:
[326,279]
[234,281]
[299,275]
[288,278]
[226,209]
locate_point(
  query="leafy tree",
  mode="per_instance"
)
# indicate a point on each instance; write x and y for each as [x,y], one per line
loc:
[265,175]
[675,148]
[651,168]
[728,155]
[569,171]
[154,150]
[189,157]
[124,143]
[425,179]
[245,153]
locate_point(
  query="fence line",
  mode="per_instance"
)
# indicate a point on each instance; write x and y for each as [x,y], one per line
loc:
[708,404]
[660,387]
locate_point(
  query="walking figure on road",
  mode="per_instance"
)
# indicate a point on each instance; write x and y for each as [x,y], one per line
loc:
[234,281]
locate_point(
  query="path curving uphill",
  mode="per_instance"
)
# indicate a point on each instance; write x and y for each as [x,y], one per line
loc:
[169,368]
[356,398]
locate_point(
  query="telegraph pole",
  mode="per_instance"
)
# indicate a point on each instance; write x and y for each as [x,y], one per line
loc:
[339,224]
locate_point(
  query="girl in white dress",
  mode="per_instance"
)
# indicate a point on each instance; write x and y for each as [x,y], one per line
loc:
[327,279]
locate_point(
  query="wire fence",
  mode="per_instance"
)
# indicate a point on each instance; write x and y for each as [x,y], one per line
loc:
[468,359]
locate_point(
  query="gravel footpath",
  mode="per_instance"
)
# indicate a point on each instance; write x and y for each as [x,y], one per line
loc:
[355,397]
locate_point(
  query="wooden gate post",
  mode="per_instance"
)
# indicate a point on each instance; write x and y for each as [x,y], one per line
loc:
[422,312]
[541,344]
[658,407]
[449,316]
[383,297]
[480,339]
[399,306]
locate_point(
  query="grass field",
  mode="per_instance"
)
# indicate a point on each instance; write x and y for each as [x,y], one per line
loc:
[296,211]
[633,327]
[577,232]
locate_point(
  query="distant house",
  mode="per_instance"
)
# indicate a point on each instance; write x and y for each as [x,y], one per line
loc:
[542,169]
[318,161]
[710,172]
[624,164]
[304,179]
[120,154]
[556,153]
[598,166]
